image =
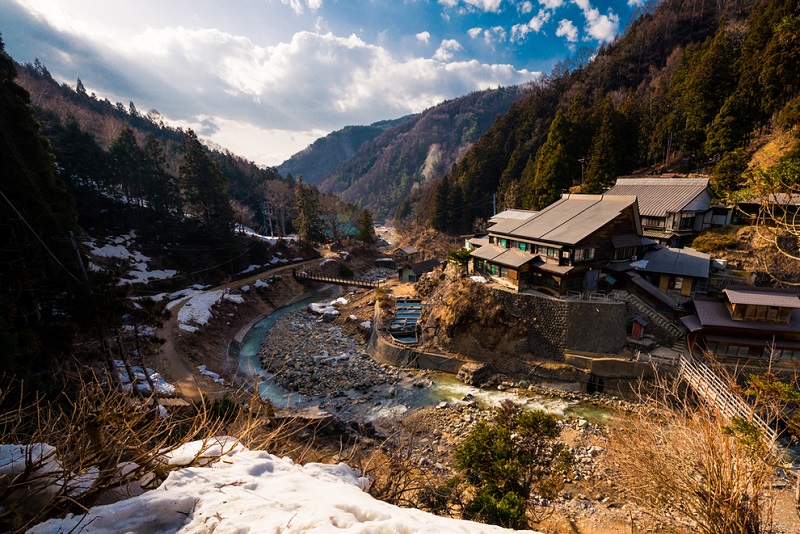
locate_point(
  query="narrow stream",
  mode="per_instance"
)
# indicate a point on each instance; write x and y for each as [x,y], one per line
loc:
[392,401]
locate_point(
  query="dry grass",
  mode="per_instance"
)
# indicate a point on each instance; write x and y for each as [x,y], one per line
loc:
[678,458]
[89,442]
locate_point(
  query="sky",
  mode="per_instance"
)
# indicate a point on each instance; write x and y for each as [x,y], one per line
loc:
[265,78]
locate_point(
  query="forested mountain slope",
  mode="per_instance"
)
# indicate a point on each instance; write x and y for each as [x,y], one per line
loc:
[688,88]
[322,156]
[385,170]
[83,124]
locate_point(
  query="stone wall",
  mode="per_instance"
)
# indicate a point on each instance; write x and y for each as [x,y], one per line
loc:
[555,325]
[596,326]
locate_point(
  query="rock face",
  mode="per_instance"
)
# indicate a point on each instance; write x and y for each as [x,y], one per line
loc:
[474,373]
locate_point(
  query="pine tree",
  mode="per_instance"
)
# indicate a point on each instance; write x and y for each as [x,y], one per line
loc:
[602,165]
[552,174]
[366,229]
[309,225]
[205,188]
[161,188]
[127,166]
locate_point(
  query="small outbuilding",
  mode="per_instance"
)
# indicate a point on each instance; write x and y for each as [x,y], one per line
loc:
[405,255]
[412,272]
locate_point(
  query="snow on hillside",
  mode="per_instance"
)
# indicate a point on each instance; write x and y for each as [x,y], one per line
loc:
[254,491]
[120,248]
[196,311]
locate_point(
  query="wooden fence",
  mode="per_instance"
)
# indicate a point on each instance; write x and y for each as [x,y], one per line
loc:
[316,277]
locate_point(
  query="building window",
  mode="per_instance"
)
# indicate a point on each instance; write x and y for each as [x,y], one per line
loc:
[654,222]
[523,246]
[503,272]
[584,254]
[503,243]
[676,283]
[552,252]
[687,221]
[625,253]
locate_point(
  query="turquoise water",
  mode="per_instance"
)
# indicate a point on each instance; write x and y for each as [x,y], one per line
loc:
[386,401]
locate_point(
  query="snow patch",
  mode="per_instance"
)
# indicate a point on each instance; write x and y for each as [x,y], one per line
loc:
[254,491]
[211,374]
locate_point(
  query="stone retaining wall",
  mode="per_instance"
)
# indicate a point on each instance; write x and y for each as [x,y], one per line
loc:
[555,325]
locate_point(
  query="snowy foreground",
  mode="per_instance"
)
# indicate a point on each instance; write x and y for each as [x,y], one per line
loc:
[253,491]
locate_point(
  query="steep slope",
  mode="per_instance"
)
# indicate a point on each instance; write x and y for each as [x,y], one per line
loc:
[384,171]
[688,88]
[322,156]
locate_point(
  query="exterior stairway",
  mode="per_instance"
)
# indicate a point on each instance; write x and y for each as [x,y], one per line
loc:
[708,386]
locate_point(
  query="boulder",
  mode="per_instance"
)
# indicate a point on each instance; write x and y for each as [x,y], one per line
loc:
[474,373]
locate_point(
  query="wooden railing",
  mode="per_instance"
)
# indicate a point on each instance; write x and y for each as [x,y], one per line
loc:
[714,391]
[316,277]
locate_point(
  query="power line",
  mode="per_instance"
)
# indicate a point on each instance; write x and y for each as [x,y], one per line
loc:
[39,238]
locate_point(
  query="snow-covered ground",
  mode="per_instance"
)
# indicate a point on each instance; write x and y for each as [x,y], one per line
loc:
[196,311]
[254,491]
[121,248]
[162,386]
[327,308]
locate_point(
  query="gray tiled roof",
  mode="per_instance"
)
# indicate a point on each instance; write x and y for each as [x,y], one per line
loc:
[763,296]
[659,196]
[519,215]
[568,220]
[508,257]
[678,261]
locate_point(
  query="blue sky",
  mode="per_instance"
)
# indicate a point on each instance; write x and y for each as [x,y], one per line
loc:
[264,78]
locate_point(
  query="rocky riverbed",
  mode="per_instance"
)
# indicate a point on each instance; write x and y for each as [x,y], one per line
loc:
[311,357]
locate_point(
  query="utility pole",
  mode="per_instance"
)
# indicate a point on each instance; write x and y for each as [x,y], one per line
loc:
[494,203]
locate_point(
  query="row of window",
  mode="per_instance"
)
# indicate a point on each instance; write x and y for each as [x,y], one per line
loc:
[739,351]
[542,250]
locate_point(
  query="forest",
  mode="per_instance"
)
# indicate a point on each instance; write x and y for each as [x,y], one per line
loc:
[694,86]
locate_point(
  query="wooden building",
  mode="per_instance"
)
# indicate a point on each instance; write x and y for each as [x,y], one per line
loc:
[673,210]
[563,246]
[405,255]
[749,324]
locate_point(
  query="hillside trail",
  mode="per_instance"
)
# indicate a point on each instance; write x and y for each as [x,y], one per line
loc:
[176,368]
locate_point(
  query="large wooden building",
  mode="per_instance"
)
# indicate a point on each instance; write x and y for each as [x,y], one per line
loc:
[748,324]
[563,246]
[673,210]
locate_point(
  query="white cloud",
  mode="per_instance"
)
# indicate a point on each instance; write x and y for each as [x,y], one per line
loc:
[446,49]
[474,33]
[264,102]
[525,7]
[604,28]
[494,34]
[636,3]
[488,6]
[520,31]
[297,5]
[552,5]
[424,37]
[568,30]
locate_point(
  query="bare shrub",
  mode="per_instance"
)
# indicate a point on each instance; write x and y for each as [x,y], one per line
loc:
[685,459]
[65,453]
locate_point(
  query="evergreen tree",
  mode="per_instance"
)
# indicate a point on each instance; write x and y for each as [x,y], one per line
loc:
[35,211]
[366,228]
[205,188]
[602,166]
[309,225]
[127,166]
[552,174]
[162,189]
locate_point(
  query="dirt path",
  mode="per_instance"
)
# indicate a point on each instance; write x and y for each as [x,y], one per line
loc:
[176,368]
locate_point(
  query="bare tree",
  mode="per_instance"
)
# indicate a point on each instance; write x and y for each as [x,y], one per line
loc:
[279,195]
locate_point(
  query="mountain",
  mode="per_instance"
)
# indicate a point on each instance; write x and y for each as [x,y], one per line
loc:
[63,111]
[385,170]
[691,87]
[322,156]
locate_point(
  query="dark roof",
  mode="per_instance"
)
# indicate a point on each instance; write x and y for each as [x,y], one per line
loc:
[763,296]
[423,266]
[568,220]
[653,291]
[659,196]
[678,261]
[658,234]
[714,312]
[692,322]
[630,240]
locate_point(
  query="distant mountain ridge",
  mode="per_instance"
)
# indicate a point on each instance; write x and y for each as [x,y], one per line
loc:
[322,156]
[385,170]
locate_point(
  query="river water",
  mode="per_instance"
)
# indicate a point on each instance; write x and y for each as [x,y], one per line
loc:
[391,402]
